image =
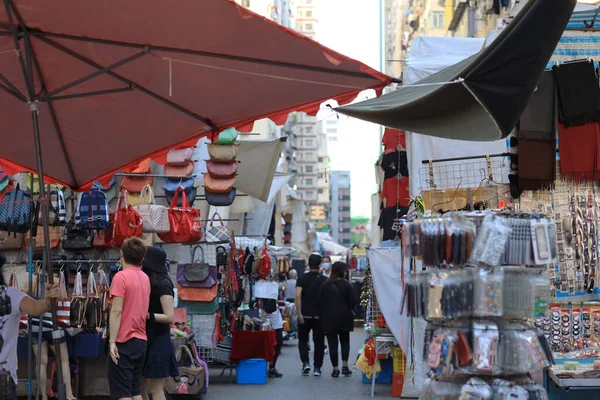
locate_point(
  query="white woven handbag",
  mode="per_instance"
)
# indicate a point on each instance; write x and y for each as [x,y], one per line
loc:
[155,218]
[215,233]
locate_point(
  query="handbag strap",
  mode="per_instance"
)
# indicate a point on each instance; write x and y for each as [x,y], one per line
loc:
[212,220]
[78,289]
[91,285]
[188,352]
[147,196]
[194,249]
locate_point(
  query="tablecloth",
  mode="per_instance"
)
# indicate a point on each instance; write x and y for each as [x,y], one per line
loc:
[257,344]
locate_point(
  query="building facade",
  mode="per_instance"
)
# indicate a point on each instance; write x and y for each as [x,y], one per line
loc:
[340,210]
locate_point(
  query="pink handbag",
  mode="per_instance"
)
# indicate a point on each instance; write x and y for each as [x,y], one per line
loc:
[180,157]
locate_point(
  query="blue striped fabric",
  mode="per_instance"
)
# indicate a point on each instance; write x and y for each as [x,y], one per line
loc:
[578,18]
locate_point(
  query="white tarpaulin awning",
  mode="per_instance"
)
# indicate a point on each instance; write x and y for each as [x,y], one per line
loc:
[333,248]
[258,161]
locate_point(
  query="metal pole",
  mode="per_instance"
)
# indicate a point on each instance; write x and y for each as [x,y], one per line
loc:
[57,333]
[471,20]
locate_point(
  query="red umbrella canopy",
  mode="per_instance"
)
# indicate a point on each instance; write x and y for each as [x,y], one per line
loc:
[116,82]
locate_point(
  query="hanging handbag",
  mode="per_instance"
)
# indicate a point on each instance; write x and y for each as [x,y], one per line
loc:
[127,222]
[210,281]
[224,153]
[191,377]
[222,170]
[10,241]
[135,184]
[217,233]
[178,171]
[190,193]
[185,222]
[93,312]
[15,211]
[155,218]
[78,303]
[99,241]
[220,199]
[197,294]
[264,264]
[221,257]
[228,136]
[215,185]
[197,270]
[75,237]
[180,157]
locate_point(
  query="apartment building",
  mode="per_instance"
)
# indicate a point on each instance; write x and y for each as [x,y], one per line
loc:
[341,225]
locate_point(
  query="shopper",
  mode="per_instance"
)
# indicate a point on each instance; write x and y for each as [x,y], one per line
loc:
[10,317]
[326,266]
[308,288]
[336,306]
[130,299]
[160,356]
[290,285]
[273,315]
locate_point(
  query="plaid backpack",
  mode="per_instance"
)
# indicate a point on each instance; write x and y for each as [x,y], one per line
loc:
[15,211]
[92,210]
[57,208]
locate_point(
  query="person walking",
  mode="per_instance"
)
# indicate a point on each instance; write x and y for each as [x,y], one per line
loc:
[290,285]
[14,303]
[160,362]
[308,287]
[130,299]
[336,306]
[326,266]
[273,315]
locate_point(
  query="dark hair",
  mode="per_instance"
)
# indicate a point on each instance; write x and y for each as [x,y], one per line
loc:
[338,271]
[314,261]
[326,257]
[134,250]
[156,277]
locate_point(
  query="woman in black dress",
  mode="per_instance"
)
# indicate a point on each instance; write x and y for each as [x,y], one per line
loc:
[336,303]
[160,357]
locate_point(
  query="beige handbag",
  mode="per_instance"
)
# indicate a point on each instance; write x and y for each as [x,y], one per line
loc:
[155,218]
[223,152]
[8,241]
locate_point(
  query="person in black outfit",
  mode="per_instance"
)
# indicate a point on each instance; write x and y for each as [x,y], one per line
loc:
[308,288]
[160,357]
[336,306]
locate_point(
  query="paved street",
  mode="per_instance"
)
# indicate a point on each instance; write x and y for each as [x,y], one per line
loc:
[294,386]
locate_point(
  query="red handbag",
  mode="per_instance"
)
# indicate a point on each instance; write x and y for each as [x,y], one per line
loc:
[127,222]
[185,222]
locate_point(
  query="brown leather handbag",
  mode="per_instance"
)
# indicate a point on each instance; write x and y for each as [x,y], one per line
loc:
[180,170]
[222,170]
[218,185]
[10,241]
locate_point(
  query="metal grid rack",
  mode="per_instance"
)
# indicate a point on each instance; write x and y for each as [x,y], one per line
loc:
[374,317]
[452,175]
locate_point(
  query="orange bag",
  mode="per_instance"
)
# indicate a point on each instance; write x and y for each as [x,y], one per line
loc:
[197,294]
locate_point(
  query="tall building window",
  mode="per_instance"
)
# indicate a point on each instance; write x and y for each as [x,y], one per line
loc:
[245,3]
[308,27]
[320,159]
[321,191]
[308,129]
[437,20]
[309,14]
[308,181]
[309,143]
[309,168]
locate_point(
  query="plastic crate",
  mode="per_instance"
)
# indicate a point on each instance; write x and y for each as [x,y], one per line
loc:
[252,371]
[385,376]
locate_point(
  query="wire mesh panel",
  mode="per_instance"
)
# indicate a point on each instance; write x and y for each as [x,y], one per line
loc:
[452,175]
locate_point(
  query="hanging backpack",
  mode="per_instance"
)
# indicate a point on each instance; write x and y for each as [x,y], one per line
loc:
[15,211]
[92,210]
[57,207]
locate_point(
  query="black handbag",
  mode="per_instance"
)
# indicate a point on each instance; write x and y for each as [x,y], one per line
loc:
[221,256]
[220,199]
[75,237]
[197,270]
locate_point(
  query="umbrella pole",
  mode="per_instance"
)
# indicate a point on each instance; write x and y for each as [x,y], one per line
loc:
[57,333]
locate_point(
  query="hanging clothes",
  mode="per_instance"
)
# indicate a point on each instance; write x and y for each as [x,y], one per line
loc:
[578,93]
[578,149]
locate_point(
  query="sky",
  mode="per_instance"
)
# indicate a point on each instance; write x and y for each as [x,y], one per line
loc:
[351,27]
